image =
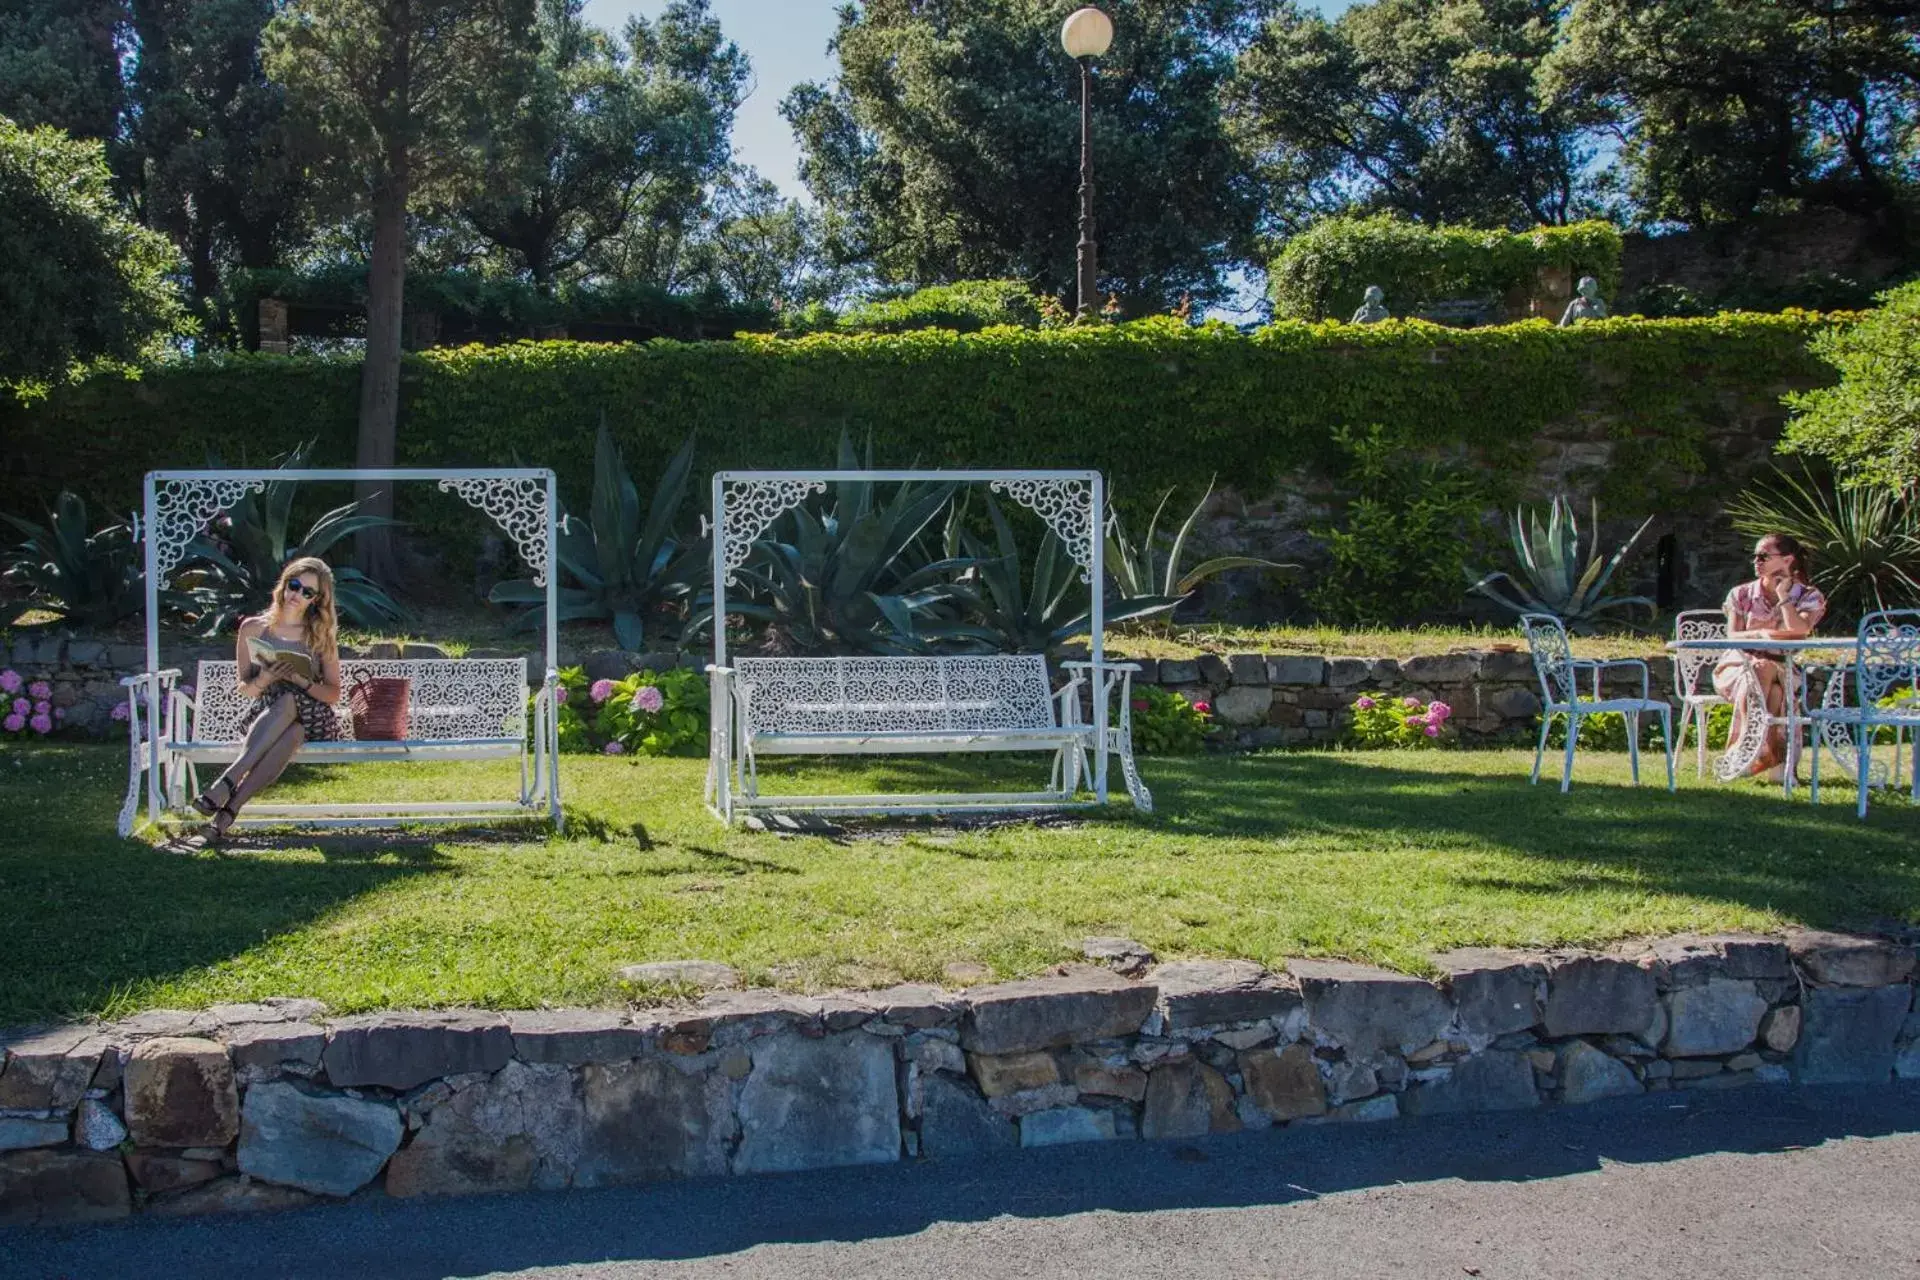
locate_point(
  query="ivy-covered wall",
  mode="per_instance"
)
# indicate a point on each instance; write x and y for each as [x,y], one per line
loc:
[1666,417]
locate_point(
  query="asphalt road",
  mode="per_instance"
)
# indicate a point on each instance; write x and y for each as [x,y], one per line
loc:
[1748,1183]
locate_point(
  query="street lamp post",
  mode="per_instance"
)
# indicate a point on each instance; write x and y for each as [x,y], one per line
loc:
[1086,35]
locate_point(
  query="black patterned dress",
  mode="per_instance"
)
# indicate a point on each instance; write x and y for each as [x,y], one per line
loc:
[316,717]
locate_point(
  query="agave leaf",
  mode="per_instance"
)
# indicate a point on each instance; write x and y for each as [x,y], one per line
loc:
[1218,565]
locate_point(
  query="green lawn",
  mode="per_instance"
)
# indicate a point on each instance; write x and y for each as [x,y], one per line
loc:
[1383,857]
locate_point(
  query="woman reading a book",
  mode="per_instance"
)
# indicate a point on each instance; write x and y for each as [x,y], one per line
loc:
[289,664]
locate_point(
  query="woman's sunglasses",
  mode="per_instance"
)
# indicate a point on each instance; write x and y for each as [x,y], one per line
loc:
[295,586]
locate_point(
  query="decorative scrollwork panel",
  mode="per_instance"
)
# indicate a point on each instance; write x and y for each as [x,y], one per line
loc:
[448,699]
[749,507]
[184,508]
[1067,507]
[518,504]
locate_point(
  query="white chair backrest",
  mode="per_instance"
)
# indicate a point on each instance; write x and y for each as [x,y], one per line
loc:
[896,695]
[1690,664]
[1552,656]
[1889,661]
[449,699]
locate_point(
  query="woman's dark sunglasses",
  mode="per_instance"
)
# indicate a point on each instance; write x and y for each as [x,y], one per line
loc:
[310,593]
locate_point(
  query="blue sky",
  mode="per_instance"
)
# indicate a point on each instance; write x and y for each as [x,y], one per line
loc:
[787,41]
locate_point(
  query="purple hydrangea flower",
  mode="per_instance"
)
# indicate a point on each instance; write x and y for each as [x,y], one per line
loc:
[21,707]
[1365,704]
[120,711]
[59,713]
[615,748]
[43,708]
[14,723]
[648,699]
[39,689]
[41,724]
[10,681]
[601,690]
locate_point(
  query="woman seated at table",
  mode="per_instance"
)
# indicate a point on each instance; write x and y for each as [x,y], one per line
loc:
[1781,603]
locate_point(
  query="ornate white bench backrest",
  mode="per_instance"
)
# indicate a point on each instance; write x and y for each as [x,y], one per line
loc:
[450,699]
[896,695]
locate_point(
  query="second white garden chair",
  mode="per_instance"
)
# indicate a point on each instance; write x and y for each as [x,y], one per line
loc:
[1559,671]
[1693,679]
[1886,690]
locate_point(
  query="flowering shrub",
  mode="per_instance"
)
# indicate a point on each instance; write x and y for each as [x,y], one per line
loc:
[651,713]
[1380,722]
[1166,723]
[26,710]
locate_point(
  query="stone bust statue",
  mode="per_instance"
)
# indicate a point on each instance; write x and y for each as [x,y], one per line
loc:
[1373,307]
[1586,304]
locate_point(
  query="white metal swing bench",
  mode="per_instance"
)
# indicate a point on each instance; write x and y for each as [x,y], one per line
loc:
[458,709]
[910,705]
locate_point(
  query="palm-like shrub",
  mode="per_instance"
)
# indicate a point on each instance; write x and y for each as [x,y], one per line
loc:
[1564,573]
[628,565]
[90,577]
[1865,538]
[229,571]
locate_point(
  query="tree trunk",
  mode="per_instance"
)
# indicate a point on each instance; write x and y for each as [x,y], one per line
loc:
[380,373]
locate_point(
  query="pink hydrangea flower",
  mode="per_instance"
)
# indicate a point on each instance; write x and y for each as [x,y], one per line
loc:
[648,699]
[40,690]
[1204,708]
[601,690]
[1433,731]
[14,723]
[41,724]
[560,695]
[10,681]
[1365,704]
[615,748]
[1409,703]
[1414,722]
[1439,711]
[21,707]
[119,711]
[1139,704]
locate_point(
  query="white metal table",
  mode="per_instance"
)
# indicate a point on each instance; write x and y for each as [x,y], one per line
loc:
[1740,755]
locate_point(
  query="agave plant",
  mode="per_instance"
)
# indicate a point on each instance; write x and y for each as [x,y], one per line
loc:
[229,571]
[1141,575]
[1009,611]
[90,578]
[1561,578]
[857,577]
[1865,539]
[629,566]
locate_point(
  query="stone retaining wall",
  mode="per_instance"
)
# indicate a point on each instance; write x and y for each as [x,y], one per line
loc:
[272,1105]
[1280,700]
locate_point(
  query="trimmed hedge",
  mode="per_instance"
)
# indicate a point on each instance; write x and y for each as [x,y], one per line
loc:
[1324,271]
[1153,403]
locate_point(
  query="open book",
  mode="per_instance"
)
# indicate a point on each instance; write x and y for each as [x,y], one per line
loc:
[265,651]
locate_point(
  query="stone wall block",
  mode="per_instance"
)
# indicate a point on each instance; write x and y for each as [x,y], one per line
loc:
[1179,671]
[1587,1074]
[49,1069]
[1243,705]
[813,1104]
[159,1172]
[1848,960]
[1344,673]
[1495,992]
[574,1037]
[915,1005]
[44,1187]
[1049,1013]
[1288,669]
[229,1195]
[648,1120]
[180,1092]
[1847,1035]
[1199,993]
[1718,1017]
[1286,1085]
[999,1074]
[1110,1080]
[1441,668]
[1214,671]
[323,1143]
[401,1050]
[1780,1029]
[520,1130]
[956,1121]
[19,1133]
[1068,1124]
[1690,960]
[1497,1080]
[272,1047]
[1247,668]
[1370,1011]
[1594,995]
[1186,1099]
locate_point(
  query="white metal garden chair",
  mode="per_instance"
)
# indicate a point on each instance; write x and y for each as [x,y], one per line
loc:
[1886,670]
[1689,666]
[1559,671]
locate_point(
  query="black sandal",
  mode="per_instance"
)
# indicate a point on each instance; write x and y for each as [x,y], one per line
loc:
[205,805]
[217,833]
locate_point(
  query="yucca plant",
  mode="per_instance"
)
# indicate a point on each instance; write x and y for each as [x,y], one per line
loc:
[857,577]
[229,570]
[1141,574]
[90,577]
[629,566]
[1562,577]
[1865,539]
[1010,611]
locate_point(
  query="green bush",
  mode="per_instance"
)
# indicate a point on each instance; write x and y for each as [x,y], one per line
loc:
[616,723]
[1152,403]
[1868,426]
[1322,272]
[1166,723]
[966,307]
[1381,721]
